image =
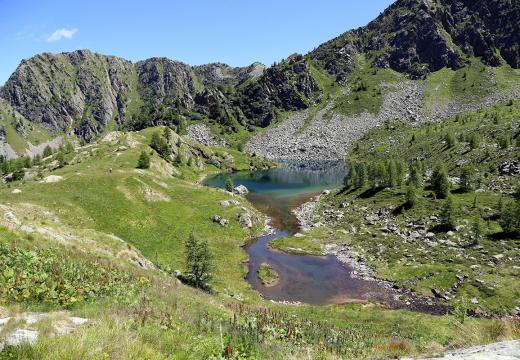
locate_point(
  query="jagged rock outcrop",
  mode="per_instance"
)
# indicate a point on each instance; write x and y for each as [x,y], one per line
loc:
[164,81]
[216,74]
[421,36]
[287,86]
[81,89]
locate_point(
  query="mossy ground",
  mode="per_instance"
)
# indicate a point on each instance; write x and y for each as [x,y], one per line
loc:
[468,84]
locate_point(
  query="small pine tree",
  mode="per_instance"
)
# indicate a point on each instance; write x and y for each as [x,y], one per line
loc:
[468,178]
[448,213]
[450,139]
[47,151]
[411,197]
[144,160]
[229,184]
[415,177]
[510,217]
[477,231]
[362,175]
[351,177]
[199,260]
[68,147]
[391,171]
[372,175]
[25,162]
[37,160]
[61,160]
[400,166]
[381,174]
[440,183]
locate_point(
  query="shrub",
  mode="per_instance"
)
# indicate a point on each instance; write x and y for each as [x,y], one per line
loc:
[46,276]
[47,151]
[159,144]
[474,141]
[144,160]
[505,141]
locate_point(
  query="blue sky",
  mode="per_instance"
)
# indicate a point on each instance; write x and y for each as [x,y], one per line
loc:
[196,31]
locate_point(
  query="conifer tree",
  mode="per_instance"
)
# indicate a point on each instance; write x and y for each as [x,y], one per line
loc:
[440,183]
[199,260]
[351,178]
[448,213]
[144,160]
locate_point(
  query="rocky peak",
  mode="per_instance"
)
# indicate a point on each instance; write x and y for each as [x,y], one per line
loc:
[215,74]
[163,80]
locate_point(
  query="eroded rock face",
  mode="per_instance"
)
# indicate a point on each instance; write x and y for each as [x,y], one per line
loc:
[81,88]
[288,86]
[163,80]
[215,74]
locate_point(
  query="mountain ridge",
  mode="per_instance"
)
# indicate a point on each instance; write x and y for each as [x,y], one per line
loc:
[89,92]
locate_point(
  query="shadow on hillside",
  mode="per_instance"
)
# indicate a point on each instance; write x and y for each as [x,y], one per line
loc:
[442,228]
[371,192]
[504,236]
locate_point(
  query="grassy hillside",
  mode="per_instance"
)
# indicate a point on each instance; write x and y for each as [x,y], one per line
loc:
[469,84]
[366,88]
[28,131]
[100,216]
[406,243]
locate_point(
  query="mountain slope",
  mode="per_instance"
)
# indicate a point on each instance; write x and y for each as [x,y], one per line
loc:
[89,92]
[421,36]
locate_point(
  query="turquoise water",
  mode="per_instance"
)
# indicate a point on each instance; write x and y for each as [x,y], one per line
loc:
[308,279]
[276,191]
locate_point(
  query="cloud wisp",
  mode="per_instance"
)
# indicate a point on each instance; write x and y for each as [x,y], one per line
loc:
[62,34]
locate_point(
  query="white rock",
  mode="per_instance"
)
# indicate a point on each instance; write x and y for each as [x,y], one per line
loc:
[245,220]
[78,320]
[52,179]
[16,191]
[21,336]
[241,190]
